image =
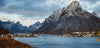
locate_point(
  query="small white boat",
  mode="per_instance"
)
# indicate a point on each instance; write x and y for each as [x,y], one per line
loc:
[98,39]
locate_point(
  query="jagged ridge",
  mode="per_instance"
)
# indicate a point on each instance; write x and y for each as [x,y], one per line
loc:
[70,19]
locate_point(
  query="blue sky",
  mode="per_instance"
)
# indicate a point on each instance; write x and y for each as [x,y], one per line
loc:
[30,11]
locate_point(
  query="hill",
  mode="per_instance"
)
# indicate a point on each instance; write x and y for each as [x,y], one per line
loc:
[4,31]
[6,42]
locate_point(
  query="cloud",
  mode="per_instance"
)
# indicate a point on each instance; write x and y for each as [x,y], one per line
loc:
[12,17]
[31,8]
[37,10]
[31,21]
[28,8]
[19,18]
[91,1]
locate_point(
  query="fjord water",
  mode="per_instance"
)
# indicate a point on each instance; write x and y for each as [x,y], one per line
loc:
[53,41]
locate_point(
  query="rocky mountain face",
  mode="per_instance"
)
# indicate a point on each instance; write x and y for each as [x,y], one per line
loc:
[34,27]
[18,28]
[70,19]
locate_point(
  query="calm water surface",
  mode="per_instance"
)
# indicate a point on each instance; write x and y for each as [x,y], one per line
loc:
[53,41]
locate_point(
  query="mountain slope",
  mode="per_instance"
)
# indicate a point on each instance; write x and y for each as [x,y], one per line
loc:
[18,28]
[34,27]
[12,27]
[70,19]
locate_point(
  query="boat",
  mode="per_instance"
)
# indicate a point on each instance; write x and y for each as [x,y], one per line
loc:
[98,39]
[36,35]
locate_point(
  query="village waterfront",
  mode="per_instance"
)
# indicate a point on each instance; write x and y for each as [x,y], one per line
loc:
[72,34]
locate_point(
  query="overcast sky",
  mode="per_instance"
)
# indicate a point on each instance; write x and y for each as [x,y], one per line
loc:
[30,11]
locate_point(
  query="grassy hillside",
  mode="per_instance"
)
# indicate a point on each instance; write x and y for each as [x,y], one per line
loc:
[4,31]
[6,42]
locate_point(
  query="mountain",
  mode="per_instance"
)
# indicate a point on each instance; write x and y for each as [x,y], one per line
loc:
[12,27]
[33,27]
[18,28]
[70,19]
[94,13]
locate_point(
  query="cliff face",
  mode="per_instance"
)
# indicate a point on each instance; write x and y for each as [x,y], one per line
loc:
[70,19]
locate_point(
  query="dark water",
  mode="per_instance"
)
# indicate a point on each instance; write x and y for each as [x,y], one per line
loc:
[53,41]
